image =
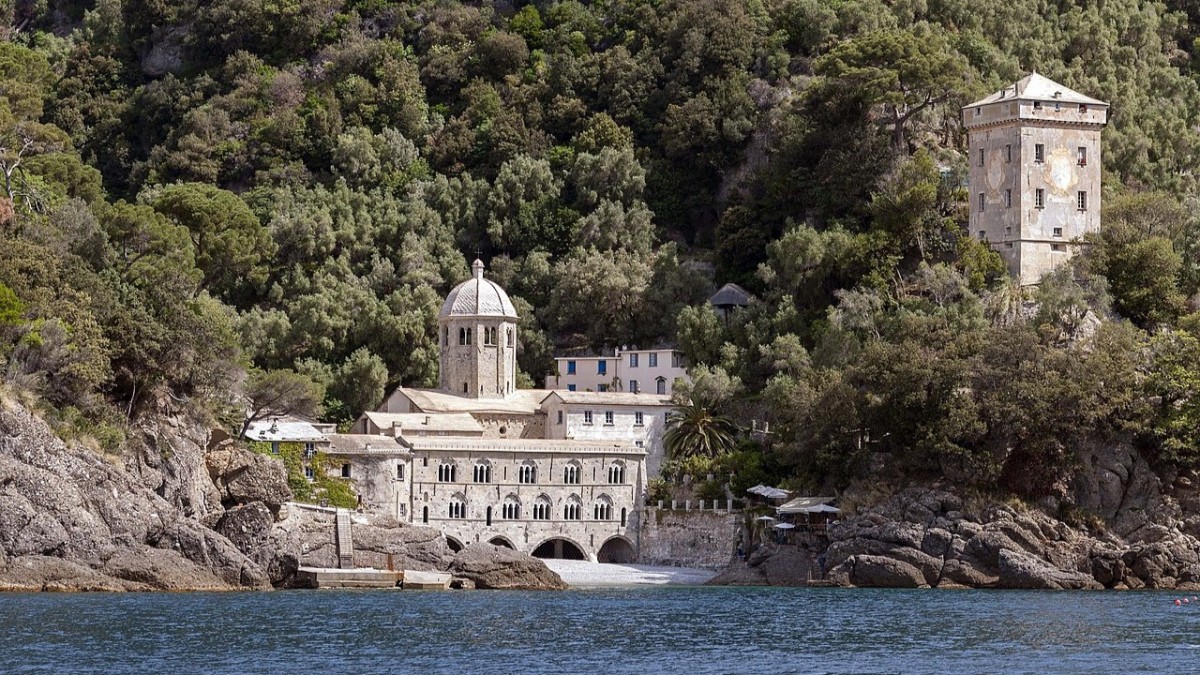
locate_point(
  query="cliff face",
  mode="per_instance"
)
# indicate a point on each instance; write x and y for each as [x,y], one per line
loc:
[171,515]
[73,520]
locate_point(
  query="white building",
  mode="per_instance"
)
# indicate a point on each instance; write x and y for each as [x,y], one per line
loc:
[627,370]
[483,461]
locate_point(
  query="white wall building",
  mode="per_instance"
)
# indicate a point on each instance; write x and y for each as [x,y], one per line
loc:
[651,371]
[519,468]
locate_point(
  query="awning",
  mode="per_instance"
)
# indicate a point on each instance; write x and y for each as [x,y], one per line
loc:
[809,505]
[784,526]
[769,492]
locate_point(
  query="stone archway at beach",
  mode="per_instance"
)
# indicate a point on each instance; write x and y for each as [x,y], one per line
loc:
[559,548]
[617,550]
[453,544]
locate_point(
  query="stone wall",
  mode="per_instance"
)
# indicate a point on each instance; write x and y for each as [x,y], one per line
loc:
[689,538]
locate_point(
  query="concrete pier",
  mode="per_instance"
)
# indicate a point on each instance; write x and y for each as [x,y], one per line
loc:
[325,577]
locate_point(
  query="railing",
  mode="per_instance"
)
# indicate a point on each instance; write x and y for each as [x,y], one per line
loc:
[709,505]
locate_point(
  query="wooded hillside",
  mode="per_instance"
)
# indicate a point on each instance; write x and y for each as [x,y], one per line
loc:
[200,194]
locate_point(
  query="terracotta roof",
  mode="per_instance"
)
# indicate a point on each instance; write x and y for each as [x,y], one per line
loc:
[453,422]
[518,445]
[1035,87]
[521,401]
[611,398]
[478,297]
[362,444]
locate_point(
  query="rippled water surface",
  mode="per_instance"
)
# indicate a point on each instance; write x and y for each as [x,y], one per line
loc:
[624,630]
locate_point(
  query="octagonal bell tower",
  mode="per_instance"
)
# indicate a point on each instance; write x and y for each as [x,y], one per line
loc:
[477,331]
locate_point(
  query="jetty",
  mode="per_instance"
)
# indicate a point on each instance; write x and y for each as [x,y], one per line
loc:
[366,577]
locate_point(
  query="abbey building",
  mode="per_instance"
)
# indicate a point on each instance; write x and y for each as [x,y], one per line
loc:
[554,473]
[1034,179]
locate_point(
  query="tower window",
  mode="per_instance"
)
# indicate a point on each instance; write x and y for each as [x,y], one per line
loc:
[981,157]
[445,336]
[1081,200]
[1007,199]
[468,336]
[1039,153]
[462,336]
[1081,155]
[982,235]
[1039,198]
[981,202]
[489,337]
[1008,154]
[978,112]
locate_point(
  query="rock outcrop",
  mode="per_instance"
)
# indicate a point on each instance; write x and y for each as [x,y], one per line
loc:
[242,477]
[928,537]
[488,566]
[71,519]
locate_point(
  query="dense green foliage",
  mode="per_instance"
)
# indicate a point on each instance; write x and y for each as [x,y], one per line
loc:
[197,190]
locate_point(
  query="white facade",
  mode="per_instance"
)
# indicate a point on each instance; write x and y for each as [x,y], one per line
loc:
[636,418]
[650,371]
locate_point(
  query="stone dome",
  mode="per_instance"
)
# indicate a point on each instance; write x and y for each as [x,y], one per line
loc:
[478,297]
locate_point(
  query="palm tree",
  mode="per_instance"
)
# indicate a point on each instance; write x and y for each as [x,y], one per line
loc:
[695,430]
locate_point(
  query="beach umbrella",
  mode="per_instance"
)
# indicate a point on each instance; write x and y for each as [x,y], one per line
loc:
[764,518]
[784,526]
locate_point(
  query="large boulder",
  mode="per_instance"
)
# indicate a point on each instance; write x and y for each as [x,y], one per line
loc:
[498,567]
[249,528]
[242,476]
[879,571]
[1018,570]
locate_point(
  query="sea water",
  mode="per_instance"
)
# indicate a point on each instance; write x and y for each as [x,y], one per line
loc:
[690,630]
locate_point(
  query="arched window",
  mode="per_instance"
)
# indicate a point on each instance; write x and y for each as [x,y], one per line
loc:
[571,473]
[527,472]
[468,336]
[445,336]
[511,509]
[458,507]
[489,515]
[462,336]
[482,472]
[622,516]
[511,342]
[447,472]
[602,509]
[489,336]
[425,514]
[660,384]
[616,473]
[541,508]
[573,508]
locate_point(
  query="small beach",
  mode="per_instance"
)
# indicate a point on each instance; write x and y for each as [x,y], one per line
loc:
[583,573]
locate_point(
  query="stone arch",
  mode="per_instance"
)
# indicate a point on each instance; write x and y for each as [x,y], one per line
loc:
[573,508]
[572,472]
[501,541]
[602,508]
[560,548]
[617,550]
[453,544]
[541,507]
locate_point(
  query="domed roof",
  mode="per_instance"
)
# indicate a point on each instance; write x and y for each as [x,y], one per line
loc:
[478,297]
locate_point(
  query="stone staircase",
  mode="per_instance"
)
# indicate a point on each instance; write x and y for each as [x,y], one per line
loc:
[344,540]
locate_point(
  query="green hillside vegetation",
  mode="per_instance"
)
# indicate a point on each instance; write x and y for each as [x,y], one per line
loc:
[198,194]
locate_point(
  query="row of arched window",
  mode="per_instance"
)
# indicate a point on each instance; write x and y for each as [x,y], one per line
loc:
[491,336]
[602,509]
[527,473]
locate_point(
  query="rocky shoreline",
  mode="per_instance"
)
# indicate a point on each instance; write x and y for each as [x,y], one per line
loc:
[170,515]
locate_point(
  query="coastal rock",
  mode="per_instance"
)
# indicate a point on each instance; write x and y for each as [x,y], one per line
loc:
[502,568]
[878,571]
[249,529]
[1022,571]
[166,454]
[67,503]
[242,476]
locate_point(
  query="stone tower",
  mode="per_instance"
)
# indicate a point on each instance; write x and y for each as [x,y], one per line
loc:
[1034,172]
[478,337]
